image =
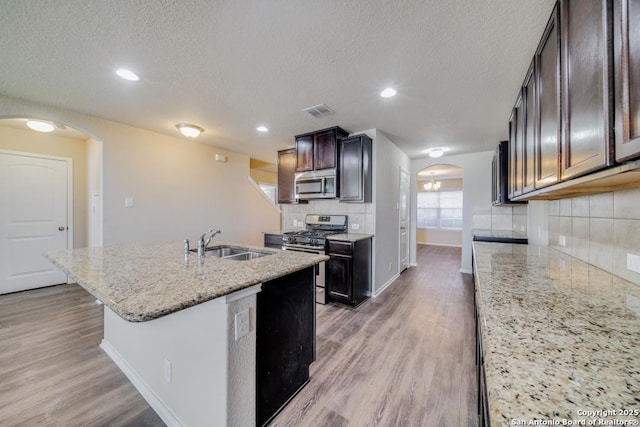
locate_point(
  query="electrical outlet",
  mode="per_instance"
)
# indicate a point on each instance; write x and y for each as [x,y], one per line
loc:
[355,226]
[167,371]
[633,263]
[389,266]
[562,241]
[128,202]
[242,323]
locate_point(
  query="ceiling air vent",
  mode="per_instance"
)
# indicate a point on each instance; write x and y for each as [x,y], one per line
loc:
[319,110]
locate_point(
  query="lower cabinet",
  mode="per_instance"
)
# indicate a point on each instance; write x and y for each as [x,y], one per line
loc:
[348,271]
[483,401]
[285,340]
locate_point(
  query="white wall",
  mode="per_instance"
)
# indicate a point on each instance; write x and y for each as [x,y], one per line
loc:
[179,191]
[388,160]
[477,194]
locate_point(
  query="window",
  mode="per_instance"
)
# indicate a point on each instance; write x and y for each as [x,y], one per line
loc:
[440,209]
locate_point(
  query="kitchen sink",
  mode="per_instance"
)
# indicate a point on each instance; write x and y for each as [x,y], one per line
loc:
[236,254]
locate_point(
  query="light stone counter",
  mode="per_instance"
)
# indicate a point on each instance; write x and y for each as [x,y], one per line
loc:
[145,281]
[559,336]
[349,237]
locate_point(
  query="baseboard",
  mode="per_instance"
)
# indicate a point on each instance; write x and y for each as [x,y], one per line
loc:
[439,244]
[152,399]
[386,285]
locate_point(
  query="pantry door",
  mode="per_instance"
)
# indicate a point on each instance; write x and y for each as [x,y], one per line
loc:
[35,200]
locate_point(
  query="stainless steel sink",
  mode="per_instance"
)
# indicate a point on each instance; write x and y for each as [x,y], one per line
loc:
[245,256]
[236,254]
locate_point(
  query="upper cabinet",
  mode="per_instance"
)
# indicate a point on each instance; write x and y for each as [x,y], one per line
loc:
[286,176]
[547,140]
[626,39]
[318,150]
[355,169]
[584,79]
[529,124]
[516,148]
[499,175]
[586,74]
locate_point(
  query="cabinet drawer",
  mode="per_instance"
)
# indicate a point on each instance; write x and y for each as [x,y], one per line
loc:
[340,248]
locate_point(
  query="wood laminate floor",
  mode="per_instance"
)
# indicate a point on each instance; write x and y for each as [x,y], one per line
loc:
[405,358]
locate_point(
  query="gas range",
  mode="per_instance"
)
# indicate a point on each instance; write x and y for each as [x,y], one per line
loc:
[314,236]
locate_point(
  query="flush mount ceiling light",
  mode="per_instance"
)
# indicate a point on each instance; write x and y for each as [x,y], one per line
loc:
[262,129]
[40,125]
[127,74]
[435,152]
[388,92]
[189,130]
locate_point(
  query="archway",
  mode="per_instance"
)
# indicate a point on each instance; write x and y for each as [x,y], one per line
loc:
[439,205]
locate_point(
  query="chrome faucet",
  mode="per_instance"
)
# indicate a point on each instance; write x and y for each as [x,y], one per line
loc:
[205,239]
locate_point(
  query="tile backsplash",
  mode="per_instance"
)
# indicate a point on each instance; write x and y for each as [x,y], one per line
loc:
[501,218]
[362,215]
[601,229]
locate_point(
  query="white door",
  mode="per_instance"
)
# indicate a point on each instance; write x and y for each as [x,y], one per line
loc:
[404,220]
[33,219]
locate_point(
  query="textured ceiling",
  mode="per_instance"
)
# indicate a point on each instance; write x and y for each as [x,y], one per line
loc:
[230,66]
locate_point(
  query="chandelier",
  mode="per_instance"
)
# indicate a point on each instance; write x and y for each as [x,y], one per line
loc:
[432,185]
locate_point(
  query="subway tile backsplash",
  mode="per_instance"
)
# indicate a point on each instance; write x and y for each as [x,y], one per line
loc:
[601,229]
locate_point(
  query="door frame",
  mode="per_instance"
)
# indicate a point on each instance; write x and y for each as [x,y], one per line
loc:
[400,172]
[69,163]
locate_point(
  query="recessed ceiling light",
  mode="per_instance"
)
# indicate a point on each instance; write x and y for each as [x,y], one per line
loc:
[127,74]
[388,93]
[189,130]
[40,126]
[262,129]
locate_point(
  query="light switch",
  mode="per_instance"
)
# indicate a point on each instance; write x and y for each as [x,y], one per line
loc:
[128,202]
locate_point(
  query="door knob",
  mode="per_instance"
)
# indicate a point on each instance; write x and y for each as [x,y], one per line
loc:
[61,228]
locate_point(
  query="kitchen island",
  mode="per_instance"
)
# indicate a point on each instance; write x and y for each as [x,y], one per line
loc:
[183,329]
[558,338]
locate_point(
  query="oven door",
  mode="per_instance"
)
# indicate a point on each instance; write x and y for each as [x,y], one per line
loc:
[321,295]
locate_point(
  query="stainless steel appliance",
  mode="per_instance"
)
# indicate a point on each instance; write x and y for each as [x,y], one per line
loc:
[321,184]
[313,239]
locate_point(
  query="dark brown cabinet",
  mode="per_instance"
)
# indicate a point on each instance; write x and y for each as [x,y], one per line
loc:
[626,48]
[286,176]
[500,176]
[547,139]
[516,148]
[318,150]
[528,144]
[354,172]
[348,271]
[285,340]
[586,73]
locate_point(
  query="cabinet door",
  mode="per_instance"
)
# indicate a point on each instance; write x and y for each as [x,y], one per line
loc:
[286,176]
[586,144]
[325,148]
[547,143]
[529,125]
[626,36]
[351,169]
[516,148]
[304,153]
[339,280]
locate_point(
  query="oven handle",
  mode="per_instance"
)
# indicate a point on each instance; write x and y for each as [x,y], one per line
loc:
[309,251]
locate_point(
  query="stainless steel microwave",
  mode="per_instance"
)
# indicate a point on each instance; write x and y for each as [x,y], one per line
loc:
[322,184]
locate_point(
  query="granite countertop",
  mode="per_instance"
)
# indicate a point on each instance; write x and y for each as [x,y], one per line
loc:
[350,237]
[560,336]
[145,281]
